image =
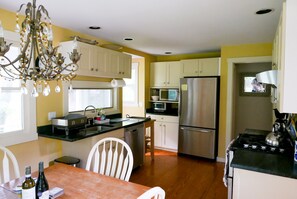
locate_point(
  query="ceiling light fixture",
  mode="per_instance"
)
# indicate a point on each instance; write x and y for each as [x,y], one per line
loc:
[38,60]
[128,39]
[94,27]
[264,11]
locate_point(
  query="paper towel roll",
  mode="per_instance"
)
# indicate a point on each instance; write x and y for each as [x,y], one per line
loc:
[118,83]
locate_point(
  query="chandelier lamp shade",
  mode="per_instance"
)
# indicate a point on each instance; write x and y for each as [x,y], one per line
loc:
[38,61]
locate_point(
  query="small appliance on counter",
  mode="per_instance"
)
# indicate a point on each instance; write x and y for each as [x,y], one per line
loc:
[69,122]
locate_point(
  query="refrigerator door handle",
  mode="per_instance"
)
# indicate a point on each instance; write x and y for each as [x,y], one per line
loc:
[195,129]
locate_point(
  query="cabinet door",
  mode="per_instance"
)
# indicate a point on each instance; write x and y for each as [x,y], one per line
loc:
[209,67]
[113,64]
[158,130]
[85,61]
[100,61]
[173,74]
[170,131]
[189,67]
[125,64]
[158,74]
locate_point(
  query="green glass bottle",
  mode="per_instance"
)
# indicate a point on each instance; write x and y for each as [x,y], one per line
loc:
[28,186]
[42,191]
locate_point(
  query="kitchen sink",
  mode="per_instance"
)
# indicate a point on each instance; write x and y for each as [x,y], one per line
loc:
[99,127]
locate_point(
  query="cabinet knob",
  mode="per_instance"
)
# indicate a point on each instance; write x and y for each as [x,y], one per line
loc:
[96,69]
[123,73]
[167,82]
[92,69]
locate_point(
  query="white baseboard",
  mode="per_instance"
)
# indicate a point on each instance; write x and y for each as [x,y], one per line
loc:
[219,159]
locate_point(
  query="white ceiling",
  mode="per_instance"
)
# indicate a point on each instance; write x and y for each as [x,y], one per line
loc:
[157,26]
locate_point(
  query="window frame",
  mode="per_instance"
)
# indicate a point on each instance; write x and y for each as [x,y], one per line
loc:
[135,86]
[115,109]
[29,131]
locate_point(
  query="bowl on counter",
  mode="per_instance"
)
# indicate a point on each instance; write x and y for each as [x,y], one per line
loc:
[155,98]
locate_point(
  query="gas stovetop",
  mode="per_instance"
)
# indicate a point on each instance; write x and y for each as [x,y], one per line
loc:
[256,142]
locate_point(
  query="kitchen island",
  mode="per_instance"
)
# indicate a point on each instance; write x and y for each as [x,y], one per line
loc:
[79,142]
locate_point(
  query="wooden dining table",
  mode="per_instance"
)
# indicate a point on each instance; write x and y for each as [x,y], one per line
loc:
[82,184]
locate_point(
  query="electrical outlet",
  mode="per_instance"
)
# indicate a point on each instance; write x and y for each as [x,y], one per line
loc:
[51,115]
[39,88]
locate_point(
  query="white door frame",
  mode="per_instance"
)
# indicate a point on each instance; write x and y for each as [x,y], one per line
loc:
[230,89]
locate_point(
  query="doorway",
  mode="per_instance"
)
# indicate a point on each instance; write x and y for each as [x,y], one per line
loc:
[252,110]
[231,88]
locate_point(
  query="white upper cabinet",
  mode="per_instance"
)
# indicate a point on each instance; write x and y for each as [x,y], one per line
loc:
[286,53]
[200,67]
[165,74]
[99,62]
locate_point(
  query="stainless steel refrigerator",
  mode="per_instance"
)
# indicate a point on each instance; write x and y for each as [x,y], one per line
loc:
[199,111]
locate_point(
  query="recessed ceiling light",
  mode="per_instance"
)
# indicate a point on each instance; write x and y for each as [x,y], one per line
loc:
[128,39]
[168,53]
[94,27]
[264,11]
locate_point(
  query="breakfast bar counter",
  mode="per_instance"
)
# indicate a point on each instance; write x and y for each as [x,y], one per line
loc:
[79,134]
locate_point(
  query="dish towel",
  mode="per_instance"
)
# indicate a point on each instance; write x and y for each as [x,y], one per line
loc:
[226,169]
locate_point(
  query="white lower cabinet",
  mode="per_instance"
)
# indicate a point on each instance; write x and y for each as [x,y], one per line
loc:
[256,185]
[166,132]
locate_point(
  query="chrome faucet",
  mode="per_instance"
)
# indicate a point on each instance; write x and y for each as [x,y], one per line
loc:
[90,106]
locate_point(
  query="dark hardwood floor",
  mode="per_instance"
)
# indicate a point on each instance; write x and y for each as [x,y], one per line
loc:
[182,177]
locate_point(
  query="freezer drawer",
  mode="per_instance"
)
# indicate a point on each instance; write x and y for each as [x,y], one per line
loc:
[197,142]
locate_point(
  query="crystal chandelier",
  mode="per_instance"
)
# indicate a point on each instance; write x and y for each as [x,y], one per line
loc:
[38,60]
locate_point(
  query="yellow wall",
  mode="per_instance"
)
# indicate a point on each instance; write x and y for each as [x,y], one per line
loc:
[227,52]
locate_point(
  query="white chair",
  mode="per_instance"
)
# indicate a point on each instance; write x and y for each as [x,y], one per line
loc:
[112,157]
[155,193]
[5,173]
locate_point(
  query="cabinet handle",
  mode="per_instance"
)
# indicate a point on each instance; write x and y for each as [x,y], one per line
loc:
[164,134]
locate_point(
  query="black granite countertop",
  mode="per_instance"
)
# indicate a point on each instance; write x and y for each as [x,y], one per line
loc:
[78,134]
[170,112]
[274,164]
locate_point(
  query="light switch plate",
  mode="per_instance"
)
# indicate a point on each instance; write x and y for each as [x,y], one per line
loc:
[51,115]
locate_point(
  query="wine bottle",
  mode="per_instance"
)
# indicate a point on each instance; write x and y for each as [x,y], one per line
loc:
[28,186]
[42,191]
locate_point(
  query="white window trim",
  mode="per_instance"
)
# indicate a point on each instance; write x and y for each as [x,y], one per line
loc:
[135,103]
[88,84]
[29,133]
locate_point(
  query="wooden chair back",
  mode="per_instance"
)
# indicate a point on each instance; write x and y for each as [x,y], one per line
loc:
[153,193]
[112,157]
[5,172]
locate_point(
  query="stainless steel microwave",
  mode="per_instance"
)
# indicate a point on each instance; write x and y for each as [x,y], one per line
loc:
[168,94]
[159,106]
